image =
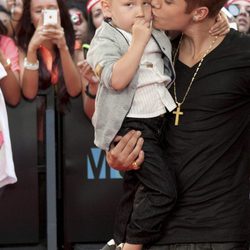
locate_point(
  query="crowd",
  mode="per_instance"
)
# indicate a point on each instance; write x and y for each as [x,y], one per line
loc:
[35,56]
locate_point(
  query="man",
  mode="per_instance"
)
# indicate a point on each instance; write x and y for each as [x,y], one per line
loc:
[208,136]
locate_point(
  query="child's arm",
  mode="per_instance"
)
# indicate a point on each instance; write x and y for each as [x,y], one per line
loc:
[125,68]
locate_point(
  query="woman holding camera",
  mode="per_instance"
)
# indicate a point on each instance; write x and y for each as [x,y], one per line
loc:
[47,50]
[46,57]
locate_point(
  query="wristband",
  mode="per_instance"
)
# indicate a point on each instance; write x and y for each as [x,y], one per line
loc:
[88,93]
[30,66]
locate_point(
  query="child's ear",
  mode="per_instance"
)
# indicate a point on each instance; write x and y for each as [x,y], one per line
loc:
[106,8]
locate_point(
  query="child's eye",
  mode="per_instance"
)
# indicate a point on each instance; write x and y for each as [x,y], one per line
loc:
[129,4]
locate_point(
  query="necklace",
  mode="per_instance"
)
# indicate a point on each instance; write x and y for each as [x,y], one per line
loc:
[178,111]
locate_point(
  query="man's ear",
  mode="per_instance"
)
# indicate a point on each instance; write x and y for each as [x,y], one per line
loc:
[106,8]
[200,13]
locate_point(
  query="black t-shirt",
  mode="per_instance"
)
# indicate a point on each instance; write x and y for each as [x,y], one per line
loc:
[210,149]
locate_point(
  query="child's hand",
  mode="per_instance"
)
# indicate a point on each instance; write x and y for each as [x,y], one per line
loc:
[141,31]
[221,27]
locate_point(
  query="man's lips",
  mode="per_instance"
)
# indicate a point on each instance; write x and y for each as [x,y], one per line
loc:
[154,17]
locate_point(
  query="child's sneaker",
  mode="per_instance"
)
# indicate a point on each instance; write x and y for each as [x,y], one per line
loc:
[110,245]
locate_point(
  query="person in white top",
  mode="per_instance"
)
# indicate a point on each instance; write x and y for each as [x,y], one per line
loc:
[7,170]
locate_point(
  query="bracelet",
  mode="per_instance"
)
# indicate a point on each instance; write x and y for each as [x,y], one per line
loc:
[30,66]
[88,93]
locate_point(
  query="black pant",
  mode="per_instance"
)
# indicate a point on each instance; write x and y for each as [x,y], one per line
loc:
[203,246]
[149,193]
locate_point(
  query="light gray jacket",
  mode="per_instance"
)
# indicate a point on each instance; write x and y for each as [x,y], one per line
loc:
[112,106]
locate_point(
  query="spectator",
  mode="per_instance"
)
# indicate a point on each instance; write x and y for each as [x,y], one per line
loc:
[240,9]
[9,59]
[79,19]
[11,13]
[46,51]
[94,10]
[16,9]
[7,171]
[46,58]
[5,18]
[90,81]
[10,93]
[89,87]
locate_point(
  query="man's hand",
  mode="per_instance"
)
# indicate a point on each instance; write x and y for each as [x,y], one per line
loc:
[127,154]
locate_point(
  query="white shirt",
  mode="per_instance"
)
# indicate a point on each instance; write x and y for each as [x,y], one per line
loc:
[7,171]
[152,97]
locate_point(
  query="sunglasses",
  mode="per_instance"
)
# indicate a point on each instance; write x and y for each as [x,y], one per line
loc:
[235,10]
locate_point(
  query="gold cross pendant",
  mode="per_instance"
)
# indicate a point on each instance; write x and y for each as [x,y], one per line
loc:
[177,114]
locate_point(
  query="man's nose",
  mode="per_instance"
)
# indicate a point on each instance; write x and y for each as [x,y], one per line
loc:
[156,4]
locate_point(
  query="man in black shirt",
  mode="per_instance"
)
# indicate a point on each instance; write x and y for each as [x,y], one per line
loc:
[209,149]
[208,136]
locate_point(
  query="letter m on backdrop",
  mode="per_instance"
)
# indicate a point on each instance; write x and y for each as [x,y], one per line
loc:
[97,167]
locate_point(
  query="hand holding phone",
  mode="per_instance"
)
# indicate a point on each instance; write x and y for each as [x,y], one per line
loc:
[49,17]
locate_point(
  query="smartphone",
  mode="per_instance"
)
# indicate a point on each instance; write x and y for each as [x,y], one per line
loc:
[230,17]
[49,17]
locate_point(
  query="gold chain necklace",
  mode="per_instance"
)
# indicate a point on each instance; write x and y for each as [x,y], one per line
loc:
[178,111]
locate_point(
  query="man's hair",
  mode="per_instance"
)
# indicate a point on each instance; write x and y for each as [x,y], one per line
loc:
[214,6]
